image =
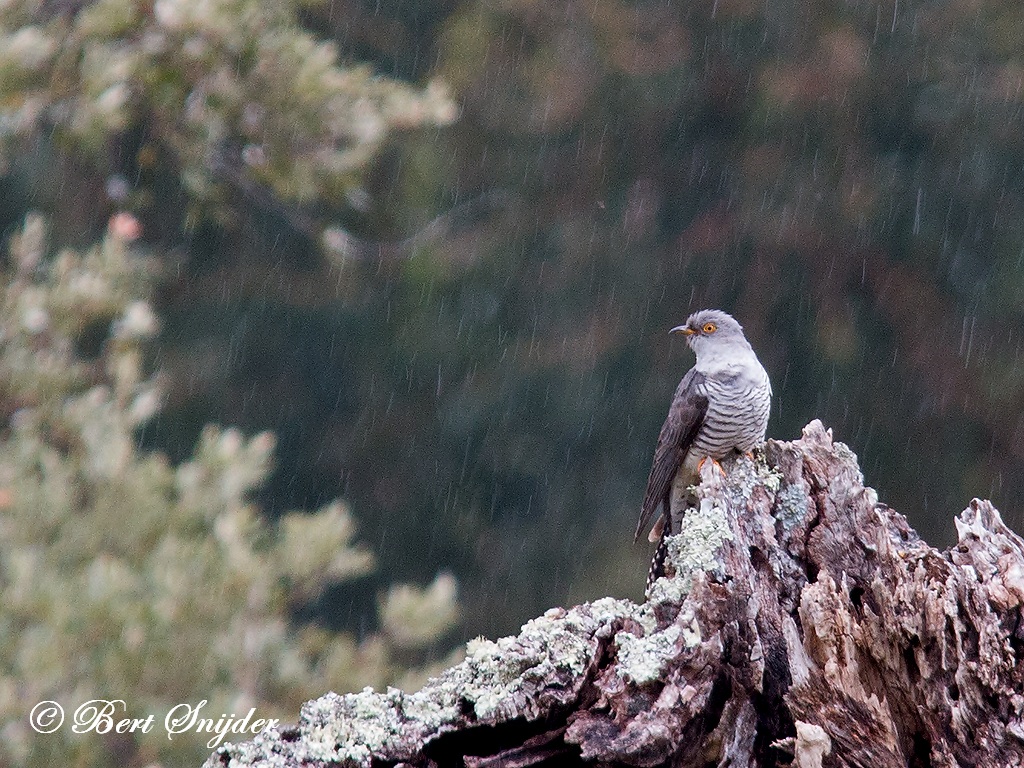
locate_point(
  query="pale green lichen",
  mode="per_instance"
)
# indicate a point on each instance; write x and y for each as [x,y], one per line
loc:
[695,549]
[768,475]
[495,679]
[499,679]
[647,617]
[351,727]
[791,506]
[642,659]
[745,474]
[494,671]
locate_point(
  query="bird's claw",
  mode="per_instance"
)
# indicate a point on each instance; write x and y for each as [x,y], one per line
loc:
[715,471]
[714,463]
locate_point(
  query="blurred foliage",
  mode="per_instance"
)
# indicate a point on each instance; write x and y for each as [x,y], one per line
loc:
[234,90]
[484,382]
[125,577]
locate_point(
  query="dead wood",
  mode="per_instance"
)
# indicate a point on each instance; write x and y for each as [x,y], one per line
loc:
[804,624]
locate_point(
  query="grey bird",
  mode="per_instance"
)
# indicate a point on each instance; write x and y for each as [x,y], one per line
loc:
[720,406]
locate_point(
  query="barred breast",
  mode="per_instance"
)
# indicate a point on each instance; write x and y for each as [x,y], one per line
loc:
[737,416]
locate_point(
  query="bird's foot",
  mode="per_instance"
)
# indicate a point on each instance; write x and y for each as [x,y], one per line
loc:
[714,464]
[712,473]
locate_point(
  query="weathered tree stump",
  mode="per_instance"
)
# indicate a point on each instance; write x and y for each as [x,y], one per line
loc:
[806,624]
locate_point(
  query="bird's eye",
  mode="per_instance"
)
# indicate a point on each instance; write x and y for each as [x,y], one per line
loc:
[709,328]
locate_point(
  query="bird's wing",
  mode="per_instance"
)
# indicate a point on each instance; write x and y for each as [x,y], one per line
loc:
[685,417]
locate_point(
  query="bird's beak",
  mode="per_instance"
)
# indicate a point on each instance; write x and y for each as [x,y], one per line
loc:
[683,329]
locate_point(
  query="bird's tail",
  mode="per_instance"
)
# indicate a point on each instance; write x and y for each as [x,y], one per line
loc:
[657,569]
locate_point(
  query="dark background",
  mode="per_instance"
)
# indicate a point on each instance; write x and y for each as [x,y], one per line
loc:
[485,389]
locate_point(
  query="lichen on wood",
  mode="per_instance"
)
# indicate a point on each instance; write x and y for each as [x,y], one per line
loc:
[802,623]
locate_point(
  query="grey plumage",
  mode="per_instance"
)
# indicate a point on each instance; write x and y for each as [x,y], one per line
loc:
[720,406]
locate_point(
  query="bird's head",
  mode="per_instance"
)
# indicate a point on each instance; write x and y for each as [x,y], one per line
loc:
[710,329]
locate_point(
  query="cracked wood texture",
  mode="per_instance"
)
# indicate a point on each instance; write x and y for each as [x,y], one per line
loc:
[802,623]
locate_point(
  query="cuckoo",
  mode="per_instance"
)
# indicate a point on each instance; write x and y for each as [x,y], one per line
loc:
[721,406]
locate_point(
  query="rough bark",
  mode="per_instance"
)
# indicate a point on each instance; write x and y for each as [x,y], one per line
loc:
[804,624]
